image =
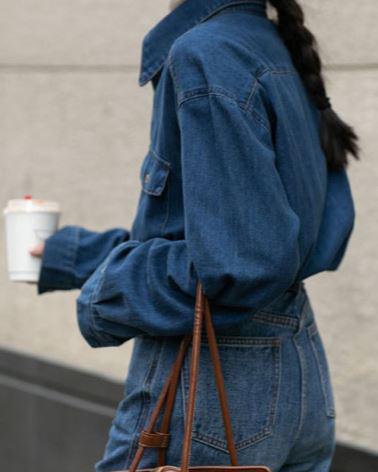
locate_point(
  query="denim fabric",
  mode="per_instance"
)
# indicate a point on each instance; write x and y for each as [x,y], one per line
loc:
[73,253]
[234,186]
[235,192]
[278,387]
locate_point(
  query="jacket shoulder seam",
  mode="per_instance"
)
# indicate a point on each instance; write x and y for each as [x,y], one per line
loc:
[218,91]
[199,92]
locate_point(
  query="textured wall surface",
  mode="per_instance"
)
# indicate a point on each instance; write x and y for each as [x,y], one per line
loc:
[74,127]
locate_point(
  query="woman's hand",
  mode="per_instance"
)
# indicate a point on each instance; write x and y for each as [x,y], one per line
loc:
[37,251]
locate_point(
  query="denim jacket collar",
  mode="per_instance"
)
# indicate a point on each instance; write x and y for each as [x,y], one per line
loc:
[157,42]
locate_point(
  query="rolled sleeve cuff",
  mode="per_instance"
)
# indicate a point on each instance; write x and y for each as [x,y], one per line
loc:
[90,326]
[58,261]
[84,309]
[85,318]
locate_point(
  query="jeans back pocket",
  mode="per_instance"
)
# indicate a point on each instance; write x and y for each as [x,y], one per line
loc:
[251,369]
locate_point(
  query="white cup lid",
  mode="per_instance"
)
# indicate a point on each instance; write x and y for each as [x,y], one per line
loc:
[29,204]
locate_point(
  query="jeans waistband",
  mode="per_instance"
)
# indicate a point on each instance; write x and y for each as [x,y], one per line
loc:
[292,309]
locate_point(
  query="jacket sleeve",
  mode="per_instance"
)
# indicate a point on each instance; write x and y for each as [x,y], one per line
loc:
[241,236]
[72,254]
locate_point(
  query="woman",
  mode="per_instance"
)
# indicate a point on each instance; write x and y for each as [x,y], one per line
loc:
[244,186]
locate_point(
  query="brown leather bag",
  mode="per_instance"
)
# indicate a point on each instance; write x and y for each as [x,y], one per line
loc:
[160,439]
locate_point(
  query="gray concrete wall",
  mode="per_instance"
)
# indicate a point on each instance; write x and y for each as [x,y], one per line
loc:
[74,127]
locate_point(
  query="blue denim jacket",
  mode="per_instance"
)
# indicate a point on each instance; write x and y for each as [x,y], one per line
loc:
[234,187]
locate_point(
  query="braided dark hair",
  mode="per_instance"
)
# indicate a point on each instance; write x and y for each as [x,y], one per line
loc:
[338,139]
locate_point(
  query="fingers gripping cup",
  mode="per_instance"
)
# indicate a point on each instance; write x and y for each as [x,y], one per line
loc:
[28,222]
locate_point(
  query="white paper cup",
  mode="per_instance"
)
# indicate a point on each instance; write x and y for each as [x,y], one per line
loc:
[28,222]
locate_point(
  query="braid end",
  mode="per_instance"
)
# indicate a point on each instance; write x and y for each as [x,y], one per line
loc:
[338,139]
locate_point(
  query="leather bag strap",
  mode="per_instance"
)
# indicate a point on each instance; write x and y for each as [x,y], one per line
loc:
[214,352]
[167,396]
[171,380]
[201,312]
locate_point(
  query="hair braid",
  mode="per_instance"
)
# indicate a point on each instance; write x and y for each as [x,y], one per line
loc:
[338,139]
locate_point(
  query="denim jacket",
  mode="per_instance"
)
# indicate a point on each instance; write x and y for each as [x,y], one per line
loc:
[235,189]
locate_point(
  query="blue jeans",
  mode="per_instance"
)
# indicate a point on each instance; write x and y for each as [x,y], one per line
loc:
[278,387]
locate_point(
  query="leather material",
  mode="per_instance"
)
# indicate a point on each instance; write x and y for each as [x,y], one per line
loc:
[209,468]
[157,439]
[160,439]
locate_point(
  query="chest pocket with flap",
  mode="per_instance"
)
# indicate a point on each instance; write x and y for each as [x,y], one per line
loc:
[154,174]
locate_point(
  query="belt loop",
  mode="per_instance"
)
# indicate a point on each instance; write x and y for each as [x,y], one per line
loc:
[302,321]
[303,308]
[300,301]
